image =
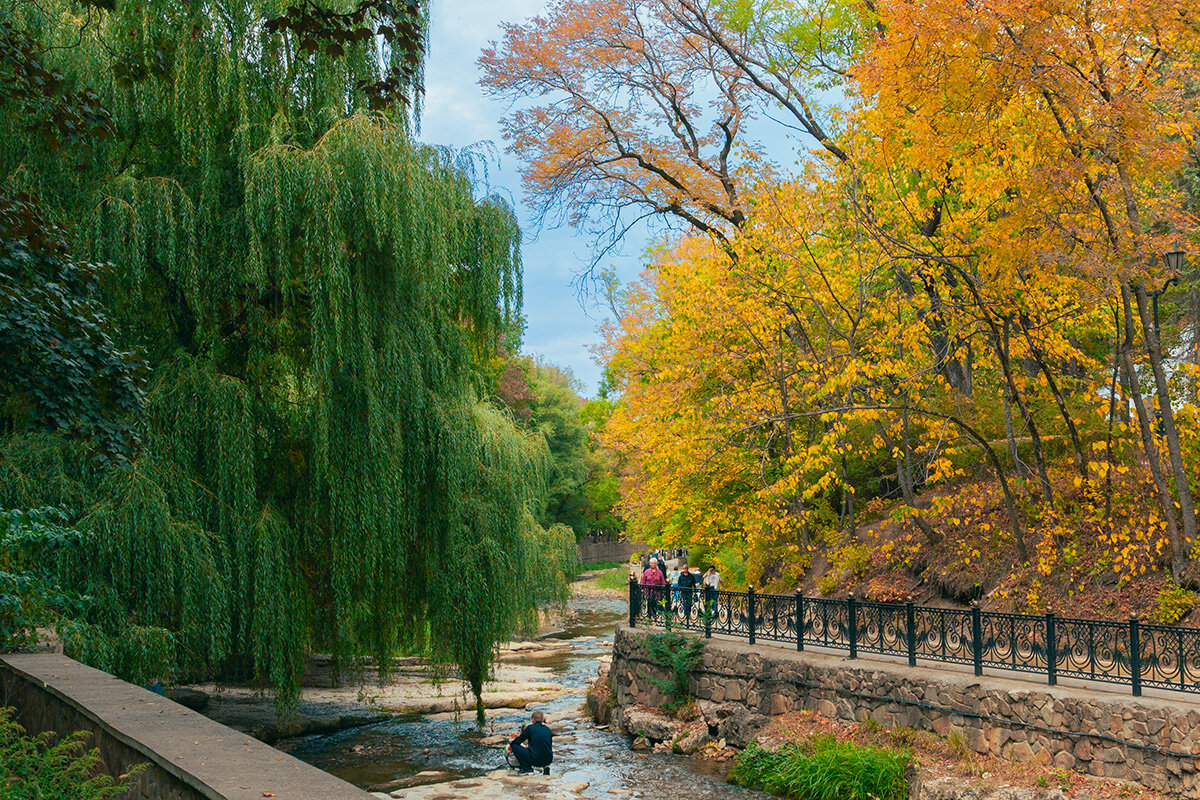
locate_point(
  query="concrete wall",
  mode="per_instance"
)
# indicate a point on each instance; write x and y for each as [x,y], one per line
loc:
[1154,741]
[188,755]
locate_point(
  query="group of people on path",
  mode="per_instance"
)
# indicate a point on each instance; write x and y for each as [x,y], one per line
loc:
[685,584]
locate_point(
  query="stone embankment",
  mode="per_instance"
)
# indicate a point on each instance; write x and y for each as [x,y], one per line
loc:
[1150,741]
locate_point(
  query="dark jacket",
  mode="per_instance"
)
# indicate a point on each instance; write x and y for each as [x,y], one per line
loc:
[538,734]
[688,580]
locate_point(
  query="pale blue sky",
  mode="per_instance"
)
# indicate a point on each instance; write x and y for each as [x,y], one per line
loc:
[457,114]
[561,326]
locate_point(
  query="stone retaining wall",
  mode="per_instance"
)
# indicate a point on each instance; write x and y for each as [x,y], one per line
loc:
[189,756]
[1155,742]
[594,552]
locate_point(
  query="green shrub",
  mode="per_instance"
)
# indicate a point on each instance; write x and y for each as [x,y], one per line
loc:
[700,556]
[679,655]
[39,768]
[1172,604]
[853,560]
[731,563]
[822,768]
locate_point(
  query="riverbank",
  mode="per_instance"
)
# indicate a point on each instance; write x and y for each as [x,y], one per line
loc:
[415,738]
[413,687]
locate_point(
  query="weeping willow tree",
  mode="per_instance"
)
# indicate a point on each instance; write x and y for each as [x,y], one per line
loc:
[311,290]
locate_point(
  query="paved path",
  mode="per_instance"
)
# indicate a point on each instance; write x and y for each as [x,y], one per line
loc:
[991,678]
[215,761]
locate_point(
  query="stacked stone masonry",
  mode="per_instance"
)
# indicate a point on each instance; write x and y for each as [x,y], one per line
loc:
[1154,742]
[594,552]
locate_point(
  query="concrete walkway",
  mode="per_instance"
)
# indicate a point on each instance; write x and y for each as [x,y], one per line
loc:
[210,759]
[992,678]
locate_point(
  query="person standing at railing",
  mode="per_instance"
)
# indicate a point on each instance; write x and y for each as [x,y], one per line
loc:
[712,584]
[687,588]
[653,586]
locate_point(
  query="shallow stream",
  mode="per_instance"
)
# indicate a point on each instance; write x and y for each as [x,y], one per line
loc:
[403,746]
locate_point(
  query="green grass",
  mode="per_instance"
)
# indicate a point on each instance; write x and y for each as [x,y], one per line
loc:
[614,578]
[602,565]
[823,768]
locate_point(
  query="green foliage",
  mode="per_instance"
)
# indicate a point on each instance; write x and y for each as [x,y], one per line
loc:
[41,96]
[313,292]
[39,768]
[556,415]
[59,367]
[854,559]
[602,488]
[1172,604]
[30,595]
[680,655]
[731,563]
[37,549]
[822,768]
[700,556]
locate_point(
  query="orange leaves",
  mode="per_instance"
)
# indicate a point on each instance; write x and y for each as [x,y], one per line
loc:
[619,108]
[1052,118]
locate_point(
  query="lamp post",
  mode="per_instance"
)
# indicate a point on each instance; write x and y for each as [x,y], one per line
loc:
[1173,260]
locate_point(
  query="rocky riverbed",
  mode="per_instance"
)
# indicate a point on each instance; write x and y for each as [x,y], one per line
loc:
[415,738]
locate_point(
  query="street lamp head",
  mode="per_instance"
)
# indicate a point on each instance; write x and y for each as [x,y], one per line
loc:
[1174,260]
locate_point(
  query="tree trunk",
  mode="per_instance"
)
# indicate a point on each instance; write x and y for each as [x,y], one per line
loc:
[1112,412]
[1060,401]
[1187,507]
[904,478]
[1039,458]
[1019,465]
[1151,447]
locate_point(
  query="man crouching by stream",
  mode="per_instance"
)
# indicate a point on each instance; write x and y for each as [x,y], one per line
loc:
[539,752]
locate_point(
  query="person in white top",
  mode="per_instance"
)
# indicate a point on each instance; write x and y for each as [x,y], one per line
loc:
[711,583]
[712,578]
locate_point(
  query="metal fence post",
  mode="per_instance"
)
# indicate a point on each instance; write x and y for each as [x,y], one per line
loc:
[910,630]
[710,609]
[633,601]
[1051,651]
[666,606]
[799,620]
[751,610]
[852,624]
[1135,656]
[977,637]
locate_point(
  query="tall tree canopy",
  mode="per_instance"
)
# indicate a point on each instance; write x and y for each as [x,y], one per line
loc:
[309,288]
[962,278]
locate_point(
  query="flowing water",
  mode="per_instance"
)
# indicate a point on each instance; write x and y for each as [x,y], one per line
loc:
[403,746]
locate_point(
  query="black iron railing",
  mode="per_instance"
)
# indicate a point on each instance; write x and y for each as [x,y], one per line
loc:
[1132,653]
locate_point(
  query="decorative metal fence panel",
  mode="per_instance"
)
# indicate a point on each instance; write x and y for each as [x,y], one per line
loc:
[1129,653]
